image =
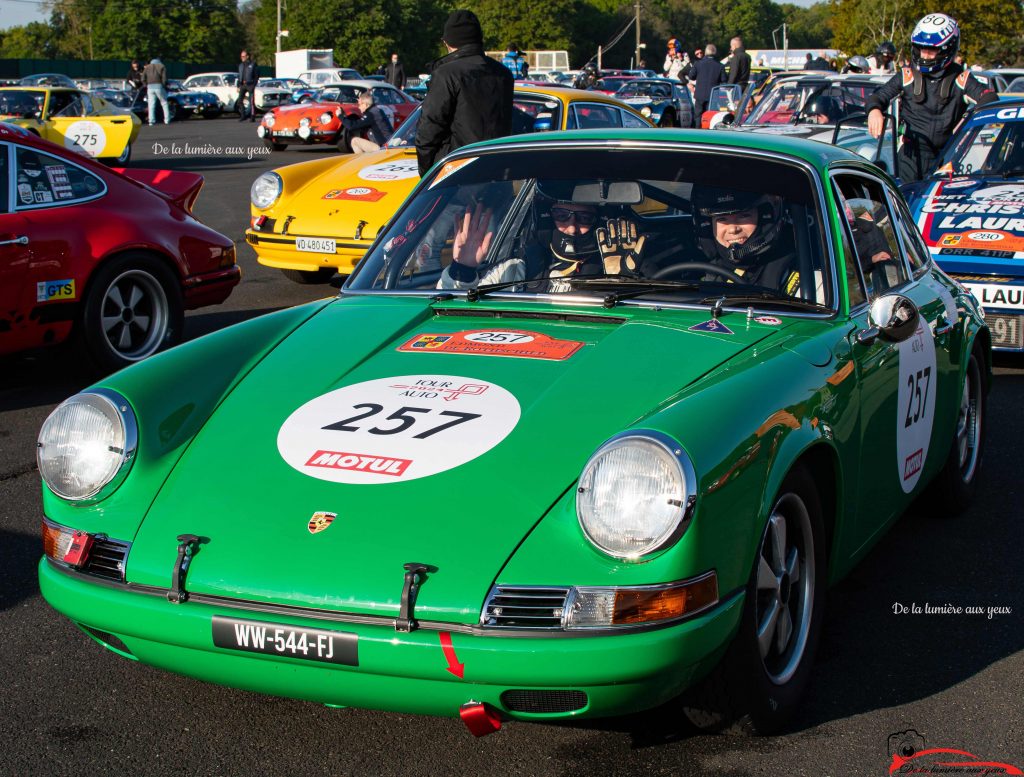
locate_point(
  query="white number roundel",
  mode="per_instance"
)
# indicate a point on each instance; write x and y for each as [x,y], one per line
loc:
[395,429]
[85,137]
[915,410]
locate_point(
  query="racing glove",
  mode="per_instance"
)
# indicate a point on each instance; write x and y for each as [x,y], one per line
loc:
[620,247]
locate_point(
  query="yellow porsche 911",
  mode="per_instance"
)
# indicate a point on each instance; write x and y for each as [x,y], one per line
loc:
[316,218]
[72,118]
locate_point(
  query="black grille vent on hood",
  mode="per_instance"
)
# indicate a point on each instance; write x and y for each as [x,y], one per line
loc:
[524,607]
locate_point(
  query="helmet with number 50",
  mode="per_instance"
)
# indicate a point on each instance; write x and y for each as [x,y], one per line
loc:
[939,32]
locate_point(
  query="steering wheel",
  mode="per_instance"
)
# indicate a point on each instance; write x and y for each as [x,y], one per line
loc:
[723,272]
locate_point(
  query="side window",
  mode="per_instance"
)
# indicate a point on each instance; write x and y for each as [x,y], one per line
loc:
[591,116]
[87,108]
[854,279]
[45,181]
[629,120]
[59,102]
[571,122]
[917,251]
[871,225]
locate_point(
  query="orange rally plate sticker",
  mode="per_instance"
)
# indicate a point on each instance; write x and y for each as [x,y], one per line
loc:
[495,342]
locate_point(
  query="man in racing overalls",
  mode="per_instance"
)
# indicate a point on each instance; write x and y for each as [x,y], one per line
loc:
[934,95]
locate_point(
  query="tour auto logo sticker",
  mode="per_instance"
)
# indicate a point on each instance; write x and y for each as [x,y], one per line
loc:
[495,342]
[320,521]
[397,429]
[391,171]
[915,407]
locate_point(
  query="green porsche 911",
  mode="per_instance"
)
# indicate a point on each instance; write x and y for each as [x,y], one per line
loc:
[591,427]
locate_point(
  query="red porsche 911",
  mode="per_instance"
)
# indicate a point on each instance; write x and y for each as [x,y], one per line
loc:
[111,256]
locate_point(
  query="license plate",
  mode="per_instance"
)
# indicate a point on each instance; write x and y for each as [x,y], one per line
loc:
[277,639]
[1006,330]
[284,134]
[316,245]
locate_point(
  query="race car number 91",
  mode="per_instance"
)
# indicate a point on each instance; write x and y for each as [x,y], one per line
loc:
[396,429]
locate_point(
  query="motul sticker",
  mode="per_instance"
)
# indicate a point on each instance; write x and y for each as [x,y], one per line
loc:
[361,193]
[396,429]
[495,342]
[915,407]
[391,171]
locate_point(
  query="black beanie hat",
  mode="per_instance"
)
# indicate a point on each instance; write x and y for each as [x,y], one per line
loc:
[462,29]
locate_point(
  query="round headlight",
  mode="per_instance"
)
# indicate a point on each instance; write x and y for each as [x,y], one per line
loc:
[646,111]
[304,121]
[636,494]
[269,119]
[325,117]
[86,445]
[265,190]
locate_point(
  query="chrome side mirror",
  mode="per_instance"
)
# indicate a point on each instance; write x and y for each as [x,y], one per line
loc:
[895,316]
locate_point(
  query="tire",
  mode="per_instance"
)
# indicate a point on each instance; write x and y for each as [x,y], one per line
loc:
[174,109]
[668,120]
[119,161]
[133,308]
[758,684]
[953,488]
[310,277]
[344,141]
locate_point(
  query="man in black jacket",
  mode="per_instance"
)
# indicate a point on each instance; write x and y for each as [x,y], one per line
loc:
[247,78]
[394,72]
[373,120]
[706,73]
[739,63]
[469,97]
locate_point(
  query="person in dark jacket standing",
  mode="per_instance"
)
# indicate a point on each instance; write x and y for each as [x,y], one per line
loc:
[248,75]
[469,97]
[394,72]
[739,63]
[154,75]
[373,120]
[706,73]
[135,78]
[934,95]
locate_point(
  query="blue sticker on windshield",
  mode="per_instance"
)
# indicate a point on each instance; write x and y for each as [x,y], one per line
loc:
[712,325]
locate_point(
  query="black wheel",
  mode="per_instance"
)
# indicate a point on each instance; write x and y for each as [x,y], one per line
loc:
[309,277]
[182,114]
[344,141]
[119,161]
[952,490]
[680,267]
[132,309]
[174,110]
[668,120]
[758,684]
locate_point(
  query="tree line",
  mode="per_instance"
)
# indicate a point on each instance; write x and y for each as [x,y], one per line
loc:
[363,33]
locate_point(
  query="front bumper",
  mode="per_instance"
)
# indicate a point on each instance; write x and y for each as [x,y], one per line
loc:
[277,250]
[407,672]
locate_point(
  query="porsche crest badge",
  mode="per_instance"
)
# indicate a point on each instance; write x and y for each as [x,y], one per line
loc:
[320,521]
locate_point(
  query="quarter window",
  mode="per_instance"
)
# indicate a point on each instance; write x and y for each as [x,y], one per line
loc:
[917,251]
[44,181]
[629,120]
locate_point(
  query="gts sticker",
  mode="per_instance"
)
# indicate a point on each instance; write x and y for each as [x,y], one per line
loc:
[48,291]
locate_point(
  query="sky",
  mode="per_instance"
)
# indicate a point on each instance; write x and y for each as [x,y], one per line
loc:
[17,12]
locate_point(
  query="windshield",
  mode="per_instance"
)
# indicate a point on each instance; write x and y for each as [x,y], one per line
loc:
[644,89]
[816,102]
[23,104]
[567,219]
[338,94]
[996,148]
[529,114]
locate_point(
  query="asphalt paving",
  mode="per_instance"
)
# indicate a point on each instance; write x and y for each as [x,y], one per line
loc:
[68,707]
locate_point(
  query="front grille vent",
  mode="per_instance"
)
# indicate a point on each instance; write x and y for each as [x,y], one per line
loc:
[543,701]
[524,607]
[107,558]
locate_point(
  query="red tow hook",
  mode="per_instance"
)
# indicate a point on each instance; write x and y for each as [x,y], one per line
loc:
[480,718]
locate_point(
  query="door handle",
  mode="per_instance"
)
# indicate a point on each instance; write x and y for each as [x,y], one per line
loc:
[21,240]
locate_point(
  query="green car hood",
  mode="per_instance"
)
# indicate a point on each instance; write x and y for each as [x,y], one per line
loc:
[544,408]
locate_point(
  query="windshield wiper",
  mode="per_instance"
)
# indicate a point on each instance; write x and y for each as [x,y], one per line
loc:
[472,295]
[634,287]
[771,298]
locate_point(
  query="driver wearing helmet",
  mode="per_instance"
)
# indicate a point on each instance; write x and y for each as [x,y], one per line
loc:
[857,64]
[822,109]
[884,60]
[746,234]
[934,94]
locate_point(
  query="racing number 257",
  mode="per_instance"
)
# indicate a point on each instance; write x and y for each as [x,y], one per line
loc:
[405,417]
[917,400]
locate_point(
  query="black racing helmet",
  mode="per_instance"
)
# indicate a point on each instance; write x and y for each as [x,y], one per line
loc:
[858,64]
[567,249]
[886,49]
[823,105]
[712,201]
